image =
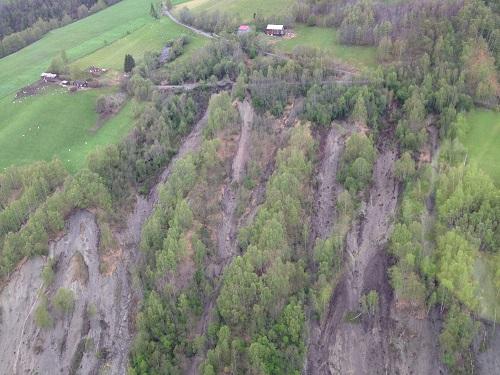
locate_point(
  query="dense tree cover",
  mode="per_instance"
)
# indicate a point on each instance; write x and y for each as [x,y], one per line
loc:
[436,250]
[364,105]
[221,115]
[23,192]
[218,59]
[23,22]
[173,234]
[441,56]
[212,21]
[468,200]
[159,127]
[84,190]
[444,62]
[32,185]
[260,305]
[356,165]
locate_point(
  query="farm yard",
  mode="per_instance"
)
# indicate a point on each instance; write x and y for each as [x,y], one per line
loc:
[323,38]
[482,141]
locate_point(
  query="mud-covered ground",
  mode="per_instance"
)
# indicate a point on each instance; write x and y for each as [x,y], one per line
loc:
[88,337]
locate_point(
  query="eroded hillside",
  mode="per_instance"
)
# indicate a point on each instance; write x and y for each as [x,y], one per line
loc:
[270,213]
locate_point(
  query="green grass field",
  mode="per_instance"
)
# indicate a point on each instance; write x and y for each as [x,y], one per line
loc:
[56,124]
[483,141]
[326,39]
[484,271]
[244,8]
[78,39]
[65,120]
[150,37]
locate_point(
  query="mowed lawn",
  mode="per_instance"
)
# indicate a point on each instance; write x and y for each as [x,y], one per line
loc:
[483,141]
[150,37]
[327,39]
[57,124]
[78,39]
[244,8]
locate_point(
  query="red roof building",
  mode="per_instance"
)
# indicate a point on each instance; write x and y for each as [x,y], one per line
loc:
[243,29]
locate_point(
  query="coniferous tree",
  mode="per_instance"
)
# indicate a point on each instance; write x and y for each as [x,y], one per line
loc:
[129,63]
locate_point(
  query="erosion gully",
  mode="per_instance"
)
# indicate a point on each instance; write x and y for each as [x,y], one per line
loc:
[394,341]
[230,224]
[336,346]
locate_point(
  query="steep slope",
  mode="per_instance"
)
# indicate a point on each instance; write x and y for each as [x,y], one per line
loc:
[96,333]
[362,348]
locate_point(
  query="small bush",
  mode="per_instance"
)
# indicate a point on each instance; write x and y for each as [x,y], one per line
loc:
[369,302]
[64,301]
[311,21]
[48,272]
[42,316]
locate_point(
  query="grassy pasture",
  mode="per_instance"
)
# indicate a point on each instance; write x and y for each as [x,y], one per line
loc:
[78,39]
[56,124]
[244,8]
[150,37]
[483,141]
[327,39]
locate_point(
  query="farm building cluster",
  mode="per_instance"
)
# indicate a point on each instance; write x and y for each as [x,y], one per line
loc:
[55,78]
[50,79]
[275,30]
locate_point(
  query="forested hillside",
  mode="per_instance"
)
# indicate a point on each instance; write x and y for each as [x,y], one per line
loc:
[272,212]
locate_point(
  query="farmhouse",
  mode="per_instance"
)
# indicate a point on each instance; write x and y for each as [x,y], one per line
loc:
[276,30]
[48,77]
[243,29]
[80,84]
[96,71]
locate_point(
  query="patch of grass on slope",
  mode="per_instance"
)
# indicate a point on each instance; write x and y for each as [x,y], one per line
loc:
[327,39]
[244,8]
[150,37]
[484,273]
[78,39]
[56,124]
[483,141]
